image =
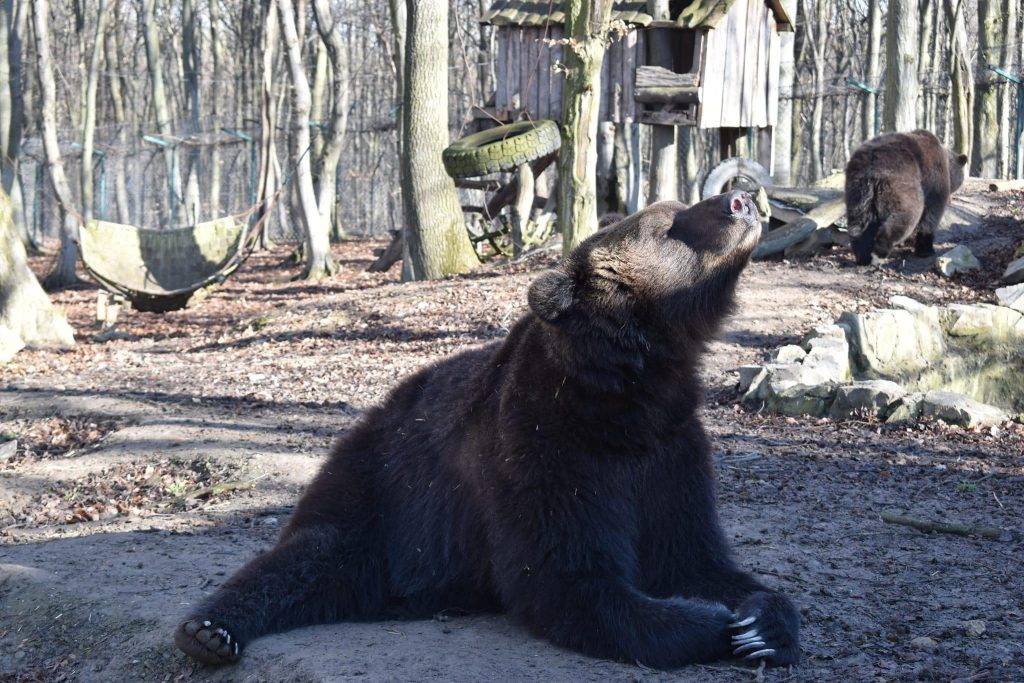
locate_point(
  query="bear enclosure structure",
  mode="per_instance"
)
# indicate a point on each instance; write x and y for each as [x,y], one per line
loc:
[723,74]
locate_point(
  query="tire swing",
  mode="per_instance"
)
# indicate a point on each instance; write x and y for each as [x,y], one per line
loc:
[737,173]
[523,150]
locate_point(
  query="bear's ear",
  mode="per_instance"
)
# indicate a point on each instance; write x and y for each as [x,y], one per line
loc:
[551,295]
[961,159]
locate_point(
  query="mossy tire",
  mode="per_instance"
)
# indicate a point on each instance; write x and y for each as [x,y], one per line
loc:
[501,149]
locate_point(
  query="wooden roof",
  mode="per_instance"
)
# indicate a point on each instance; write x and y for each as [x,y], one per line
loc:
[696,14]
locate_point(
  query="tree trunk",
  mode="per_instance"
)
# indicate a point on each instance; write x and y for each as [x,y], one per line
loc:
[818,45]
[265,185]
[1007,99]
[89,122]
[191,66]
[783,133]
[25,309]
[158,96]
[961,78]
[318,260]
[63,273]
[985,160]
[664,174]
[901,85]
[586,27]
[436,241]
[330,33]
[924,65]
[870,125]
[218,63]
[13,18]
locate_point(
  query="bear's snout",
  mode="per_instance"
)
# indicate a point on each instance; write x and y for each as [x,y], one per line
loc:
[742,204]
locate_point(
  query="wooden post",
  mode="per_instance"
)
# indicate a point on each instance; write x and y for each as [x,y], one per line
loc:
[521,207]
[664,173]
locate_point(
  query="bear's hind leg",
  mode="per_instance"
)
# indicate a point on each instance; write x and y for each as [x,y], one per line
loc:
[312,576]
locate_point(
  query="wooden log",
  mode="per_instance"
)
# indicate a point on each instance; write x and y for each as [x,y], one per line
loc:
[660,77]
[955,528]
[675,117]
[391,254]
[776,241]
[805,198]
[684,94]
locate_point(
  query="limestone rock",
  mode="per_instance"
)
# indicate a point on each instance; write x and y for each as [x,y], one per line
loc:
[829,356]
[959,259]
[748,373]
[10,343]
[790,353]
[830,331]
[907,409]
[801,400]
[866,397]
[958,409]
[1014,273]
[888,342]
[983,320]
[924,643]
[975,627]
[1012,297]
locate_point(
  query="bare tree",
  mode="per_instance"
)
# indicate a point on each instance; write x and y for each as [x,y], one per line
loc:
[191,65]
[817,40]
[112,47]
[436,242]
[13,24]
[586,28]
[901,86]
[63,273]
[25,309]
[89,121]
[871,76]
[782,136]
[1008,60]
[962,77]
[330,34]
[318,260]
[985,160]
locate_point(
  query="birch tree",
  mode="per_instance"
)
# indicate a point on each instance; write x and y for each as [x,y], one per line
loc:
[330,155]
[869,126]
[436,241]
[63,272]
[89,120]
[13,25]
[586,28]
[318,260]
[901,84]
[961,78]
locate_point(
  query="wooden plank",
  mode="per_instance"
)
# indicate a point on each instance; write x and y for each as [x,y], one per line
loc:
[524,69]
[557,79]
[630,49]
[774,67]
[712,79]
[544,79]
[751,45]
[685,117]
[659,76]
[735,53]
[614,58]
[766,23]
[666,95]
[604,89]
[501,71]
[512,75]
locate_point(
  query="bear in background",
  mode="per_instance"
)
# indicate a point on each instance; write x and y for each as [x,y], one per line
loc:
[561,475]
[895,184]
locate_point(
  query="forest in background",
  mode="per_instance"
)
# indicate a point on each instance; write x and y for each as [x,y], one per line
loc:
[148,88]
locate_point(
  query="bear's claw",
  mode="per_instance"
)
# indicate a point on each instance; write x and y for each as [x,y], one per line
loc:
[206,642]
[750,644]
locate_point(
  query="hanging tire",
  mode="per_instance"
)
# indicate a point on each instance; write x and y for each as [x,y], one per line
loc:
[747,175]
[501,149]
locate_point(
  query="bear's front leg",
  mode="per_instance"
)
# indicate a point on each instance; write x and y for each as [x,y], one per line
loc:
[767,627]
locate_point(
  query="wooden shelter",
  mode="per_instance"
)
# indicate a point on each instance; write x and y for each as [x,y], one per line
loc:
[724,74]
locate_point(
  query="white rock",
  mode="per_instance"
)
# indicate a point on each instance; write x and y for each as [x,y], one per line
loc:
[959,259]
[1012,297]
[907,409]
[983,320]
[888,342]
[866,397]
[958,409]
[906,303]
[747,375]
[790,353]
[1014,273]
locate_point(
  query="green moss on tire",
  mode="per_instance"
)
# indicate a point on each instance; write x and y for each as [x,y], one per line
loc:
[501,149]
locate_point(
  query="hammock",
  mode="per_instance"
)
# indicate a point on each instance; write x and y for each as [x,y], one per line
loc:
[160,270]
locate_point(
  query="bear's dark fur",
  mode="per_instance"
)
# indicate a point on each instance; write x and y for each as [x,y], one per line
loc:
[561,475]
[897,183]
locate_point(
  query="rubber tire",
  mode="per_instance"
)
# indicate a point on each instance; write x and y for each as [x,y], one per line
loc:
[501,149]
[730,169]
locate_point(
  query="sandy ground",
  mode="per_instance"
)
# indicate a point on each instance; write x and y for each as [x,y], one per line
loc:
[153,465]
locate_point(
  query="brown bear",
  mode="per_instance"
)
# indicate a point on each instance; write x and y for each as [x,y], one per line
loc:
[561,475]
[895,183]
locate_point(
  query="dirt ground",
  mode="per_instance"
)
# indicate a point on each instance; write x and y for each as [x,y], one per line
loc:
[153,464]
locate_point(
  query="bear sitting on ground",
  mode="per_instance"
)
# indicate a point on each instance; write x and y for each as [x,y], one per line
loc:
[895,183]
[561,475]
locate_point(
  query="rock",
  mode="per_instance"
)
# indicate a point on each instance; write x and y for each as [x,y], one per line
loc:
[791,389]
[974,627]
[747,375]
[907,409]
[1012,297]
[959,259]
[790,353]
[801,400]
[983,320]
[907,304]
[1014,273]
[923,643]
[8,449]
[958,409]
[890,342]
[830,357]
[868,397]
[827,331]
[10,343]
[777,240]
